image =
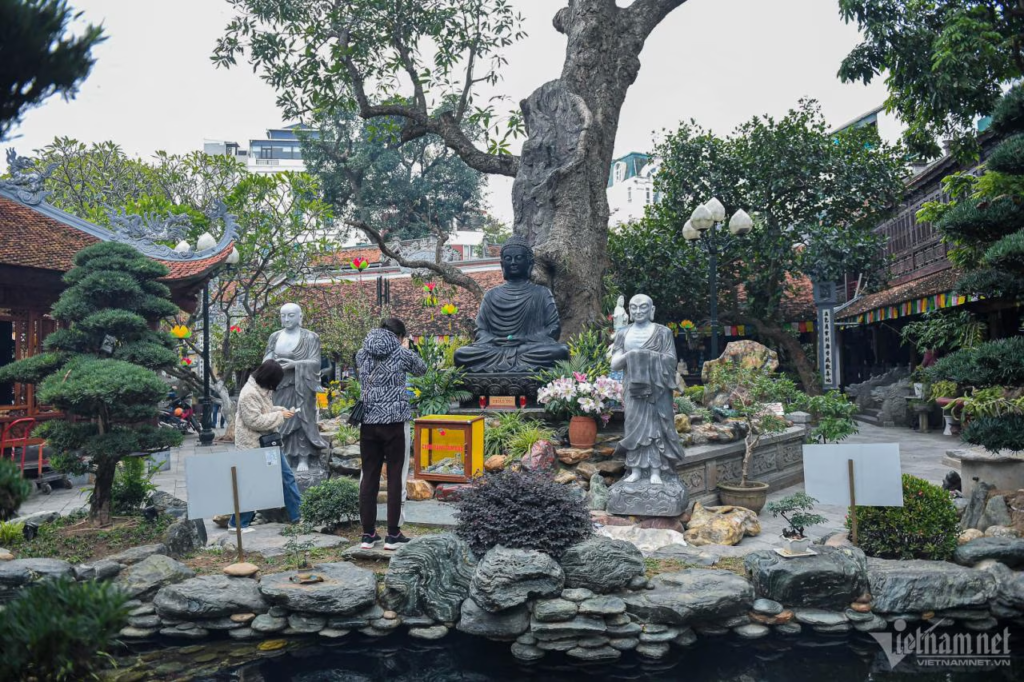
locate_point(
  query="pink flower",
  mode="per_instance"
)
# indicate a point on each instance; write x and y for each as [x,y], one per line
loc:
[579,377]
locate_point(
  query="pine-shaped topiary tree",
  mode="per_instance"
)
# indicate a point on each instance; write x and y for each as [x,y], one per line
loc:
[99,367]
[986,230]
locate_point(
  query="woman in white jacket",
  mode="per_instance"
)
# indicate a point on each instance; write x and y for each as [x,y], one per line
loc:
[257,416]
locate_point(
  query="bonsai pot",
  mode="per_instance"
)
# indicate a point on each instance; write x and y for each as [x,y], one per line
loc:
[796,545]
[752,496]
[582,432]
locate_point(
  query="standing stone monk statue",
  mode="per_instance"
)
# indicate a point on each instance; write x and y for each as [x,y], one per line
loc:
[647,353]
[298,352]
[517,328]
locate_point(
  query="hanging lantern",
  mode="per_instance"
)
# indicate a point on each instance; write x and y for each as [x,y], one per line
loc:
[186,362]
[180,331]
[360,264]
[235,329]
[429,299]
[449,309]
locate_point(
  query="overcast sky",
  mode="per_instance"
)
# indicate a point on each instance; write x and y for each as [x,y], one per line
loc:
[716,61]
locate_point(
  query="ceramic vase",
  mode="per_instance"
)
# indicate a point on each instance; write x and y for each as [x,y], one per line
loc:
[582,432]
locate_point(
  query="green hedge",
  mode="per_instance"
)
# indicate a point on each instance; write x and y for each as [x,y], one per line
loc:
[925,527]
[993,363]
[996,433]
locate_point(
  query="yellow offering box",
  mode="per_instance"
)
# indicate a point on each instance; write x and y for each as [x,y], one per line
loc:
[448,448]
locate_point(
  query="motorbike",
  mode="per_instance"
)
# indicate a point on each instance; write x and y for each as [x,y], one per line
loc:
[179,414]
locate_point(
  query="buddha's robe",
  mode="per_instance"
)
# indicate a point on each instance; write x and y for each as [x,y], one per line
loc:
[517,330]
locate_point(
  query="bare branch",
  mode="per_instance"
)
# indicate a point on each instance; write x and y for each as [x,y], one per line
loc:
[447,272]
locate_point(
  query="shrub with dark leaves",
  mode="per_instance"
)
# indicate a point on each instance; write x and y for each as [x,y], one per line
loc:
[331,503]
[925,527]
[523,511]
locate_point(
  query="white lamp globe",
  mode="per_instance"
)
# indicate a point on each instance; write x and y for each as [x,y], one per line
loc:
[701,218]
[740,223]
[182,247]
[206,241]
[716,209]
[689,233]
[233,257]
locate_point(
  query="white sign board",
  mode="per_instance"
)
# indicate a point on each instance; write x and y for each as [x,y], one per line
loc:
[208,481]
[876,473]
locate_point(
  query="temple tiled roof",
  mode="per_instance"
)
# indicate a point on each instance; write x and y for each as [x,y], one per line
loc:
[936,283]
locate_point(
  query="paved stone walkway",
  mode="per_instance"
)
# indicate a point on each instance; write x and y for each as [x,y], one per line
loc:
[920,454]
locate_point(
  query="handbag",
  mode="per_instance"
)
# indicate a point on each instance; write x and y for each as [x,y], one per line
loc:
[358,411]
[271,440]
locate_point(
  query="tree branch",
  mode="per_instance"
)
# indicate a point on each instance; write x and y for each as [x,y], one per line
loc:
[447,272]
[645,15]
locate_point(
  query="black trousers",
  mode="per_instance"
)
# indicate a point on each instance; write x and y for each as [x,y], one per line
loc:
[381,444]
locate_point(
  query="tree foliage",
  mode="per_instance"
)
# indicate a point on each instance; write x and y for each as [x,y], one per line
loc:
[944,61]
[815,197]
[39,57]
[106,354]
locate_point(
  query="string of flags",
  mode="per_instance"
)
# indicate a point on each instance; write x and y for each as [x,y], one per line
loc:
[915,307]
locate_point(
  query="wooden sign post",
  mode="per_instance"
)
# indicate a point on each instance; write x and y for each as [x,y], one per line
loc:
[238,513]
[853,504]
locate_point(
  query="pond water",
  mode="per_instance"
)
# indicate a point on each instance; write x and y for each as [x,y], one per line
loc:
[460,658]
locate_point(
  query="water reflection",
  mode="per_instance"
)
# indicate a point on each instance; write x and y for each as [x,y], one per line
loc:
[465,659]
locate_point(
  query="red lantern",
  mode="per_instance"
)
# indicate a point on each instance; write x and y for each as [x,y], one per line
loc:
[483,402]
[178,411]
[522,401]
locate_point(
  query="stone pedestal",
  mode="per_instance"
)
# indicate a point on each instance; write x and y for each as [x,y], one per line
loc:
[513,384]
[315,475]
[642,498]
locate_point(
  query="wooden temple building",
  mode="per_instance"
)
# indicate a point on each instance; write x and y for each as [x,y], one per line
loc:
[38,243]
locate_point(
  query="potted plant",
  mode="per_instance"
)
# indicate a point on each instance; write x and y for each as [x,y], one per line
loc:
[751,393]
[582,401]
[944,393]
[796,510]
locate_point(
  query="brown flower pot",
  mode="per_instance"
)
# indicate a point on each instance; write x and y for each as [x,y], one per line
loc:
[582,432]
[751,497]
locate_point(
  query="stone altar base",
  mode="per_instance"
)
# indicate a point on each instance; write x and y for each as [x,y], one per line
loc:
[500,384]
[644,499]
[316,474]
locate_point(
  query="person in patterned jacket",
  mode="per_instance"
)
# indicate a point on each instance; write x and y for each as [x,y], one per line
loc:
[383,363]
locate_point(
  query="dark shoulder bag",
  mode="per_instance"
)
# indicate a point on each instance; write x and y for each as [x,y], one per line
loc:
[271,440]
[358,411]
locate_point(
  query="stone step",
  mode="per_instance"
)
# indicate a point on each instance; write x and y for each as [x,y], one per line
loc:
[865,418]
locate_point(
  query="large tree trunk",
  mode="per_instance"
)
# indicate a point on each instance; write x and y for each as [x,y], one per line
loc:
[769,331]
[559,195]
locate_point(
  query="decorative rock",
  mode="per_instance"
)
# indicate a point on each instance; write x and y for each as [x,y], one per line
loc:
[665,544]
[137,633]
[192,633]
[304,624]
[268,623]
[37,519]
[604,653]
[639,583]
[653,650]
[602,606]
[836,629]
[430,633]
[430,576]
[144,579]
[494,463]
[510,577]
[711,630]
[975,506]
[663,523]
[526,638]
[581,626]
[1002,532]
[508,624]
[819,617]
[145,622]
[685,638]
[752,631]
[557,645]
[573,456]
[209,596]
[996,512]
[841,539]
[666,636]
[244,634]
[768,607]
[345,589]
[374,632]
[553,610]
[278,612]
[587,470]
[981,625]
[565,477]
[624,644]
[692,595]
[185,536]
[577,594]
[448,492]
[218,624]
[1006,550]
[6,555]
[831,579]
[655,628]
[106,569]
[858,616]
[602,565]
[137,554]
[243,618]
[625,630]
[876,624]
[144,610]
[540,457]
[723,525]
[385,623]
[418,490]
[597,497]
[82,572]
[919,586]
[857,607]
[527,653]
[611,467]
[643,498]
[592,641]
[968,535]
[791,628]
[241,570]
[682,422]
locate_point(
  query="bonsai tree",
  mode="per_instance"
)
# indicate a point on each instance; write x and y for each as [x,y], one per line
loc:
[98,369]
[796,510]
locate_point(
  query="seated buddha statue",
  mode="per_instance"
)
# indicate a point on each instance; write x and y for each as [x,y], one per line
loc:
[517,328]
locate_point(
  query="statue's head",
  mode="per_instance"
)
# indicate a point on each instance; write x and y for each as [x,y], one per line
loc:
[291,316]
[621,302]
[641,308]
[516,259]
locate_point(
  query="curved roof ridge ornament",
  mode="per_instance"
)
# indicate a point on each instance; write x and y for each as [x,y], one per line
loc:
[142,232]
[26,181]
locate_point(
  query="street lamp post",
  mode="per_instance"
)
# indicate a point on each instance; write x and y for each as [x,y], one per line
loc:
[206,425]
[703,228]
